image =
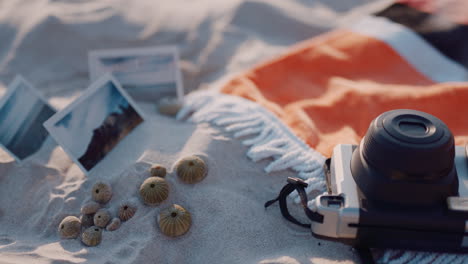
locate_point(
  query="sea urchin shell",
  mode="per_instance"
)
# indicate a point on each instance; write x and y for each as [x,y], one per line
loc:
[154,190]
[113,225]
[101,192]
[102,217]
[127,210]
[87,220]
[90,207]
[158,171]
[70,227]
[92,236]
[191,169]
[174,221]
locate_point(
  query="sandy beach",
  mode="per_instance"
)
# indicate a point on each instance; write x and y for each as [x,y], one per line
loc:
[230,224]
[48,41]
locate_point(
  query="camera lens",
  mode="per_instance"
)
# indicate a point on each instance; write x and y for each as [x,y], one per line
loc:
[406,158]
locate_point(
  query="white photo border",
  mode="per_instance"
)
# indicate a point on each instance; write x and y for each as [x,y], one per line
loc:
[94,55]
[93,88]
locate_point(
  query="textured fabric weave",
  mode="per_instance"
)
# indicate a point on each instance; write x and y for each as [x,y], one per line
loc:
[329,89]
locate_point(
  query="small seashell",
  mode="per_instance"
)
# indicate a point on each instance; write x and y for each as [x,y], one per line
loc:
[102,217]
[191,169]
[169,106]
[158,171]
[87,220]
[127,210]
[70,227]
[90,208]
[92,236]
[101,192]
[154,190]
[113,225]
[174,221]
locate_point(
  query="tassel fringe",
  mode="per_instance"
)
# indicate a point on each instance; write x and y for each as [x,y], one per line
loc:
[263,132]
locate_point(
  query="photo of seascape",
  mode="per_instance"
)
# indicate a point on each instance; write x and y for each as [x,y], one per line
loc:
[22,114]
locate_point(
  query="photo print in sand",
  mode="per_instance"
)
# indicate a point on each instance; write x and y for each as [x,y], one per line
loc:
[23,111]
[147,74]
[90,127]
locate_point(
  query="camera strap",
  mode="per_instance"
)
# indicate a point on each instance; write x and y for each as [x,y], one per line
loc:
[298,185]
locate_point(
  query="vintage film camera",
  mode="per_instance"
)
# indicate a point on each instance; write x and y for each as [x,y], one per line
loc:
[404,186]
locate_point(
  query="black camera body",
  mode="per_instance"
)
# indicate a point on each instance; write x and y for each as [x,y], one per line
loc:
[404,186]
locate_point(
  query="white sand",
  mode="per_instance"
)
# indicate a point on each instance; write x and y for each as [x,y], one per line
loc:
[230,224]
[47,42]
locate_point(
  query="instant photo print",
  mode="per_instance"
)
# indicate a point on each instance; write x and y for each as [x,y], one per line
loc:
[147,74]
[90,127]
[23,110]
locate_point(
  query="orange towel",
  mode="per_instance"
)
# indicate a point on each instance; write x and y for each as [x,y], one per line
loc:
[328,89]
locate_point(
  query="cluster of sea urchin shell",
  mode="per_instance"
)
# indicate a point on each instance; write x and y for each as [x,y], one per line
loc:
[94,218]
[175,220]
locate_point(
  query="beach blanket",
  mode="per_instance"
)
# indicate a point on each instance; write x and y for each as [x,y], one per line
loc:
[329,89]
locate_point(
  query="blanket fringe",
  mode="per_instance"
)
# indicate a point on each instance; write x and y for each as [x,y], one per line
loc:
[263,132]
